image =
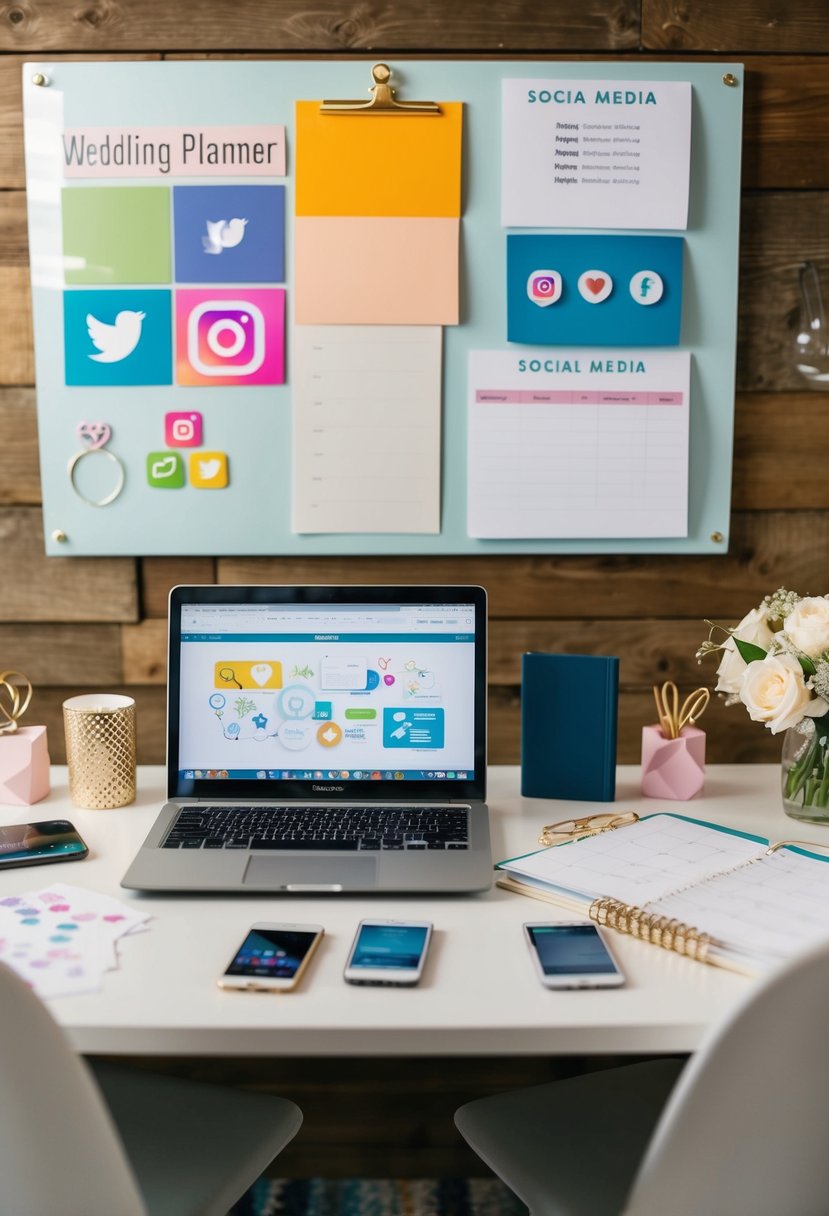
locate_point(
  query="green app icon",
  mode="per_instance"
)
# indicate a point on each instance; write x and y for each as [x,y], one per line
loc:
[165,470]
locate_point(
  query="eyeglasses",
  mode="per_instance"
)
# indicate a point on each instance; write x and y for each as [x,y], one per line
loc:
[588,825]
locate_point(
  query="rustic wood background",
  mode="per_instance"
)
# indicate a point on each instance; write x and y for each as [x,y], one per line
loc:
[75,624]
[80,624]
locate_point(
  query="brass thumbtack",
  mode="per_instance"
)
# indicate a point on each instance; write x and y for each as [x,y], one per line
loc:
[731,80]
[59,535]
[40,79]
[717,538]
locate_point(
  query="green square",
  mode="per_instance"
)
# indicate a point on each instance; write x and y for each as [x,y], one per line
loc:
[116,234]
[165,470]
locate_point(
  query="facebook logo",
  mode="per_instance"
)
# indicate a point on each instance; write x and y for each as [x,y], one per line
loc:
[646,287]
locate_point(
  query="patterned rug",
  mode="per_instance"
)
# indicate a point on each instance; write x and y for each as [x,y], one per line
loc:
[379,1197]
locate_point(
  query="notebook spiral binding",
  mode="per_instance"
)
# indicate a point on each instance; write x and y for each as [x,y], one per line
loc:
[662,931]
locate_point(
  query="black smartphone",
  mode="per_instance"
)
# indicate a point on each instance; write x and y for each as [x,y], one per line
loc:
[33,844]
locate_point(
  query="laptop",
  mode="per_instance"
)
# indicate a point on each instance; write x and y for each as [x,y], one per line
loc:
[323,739]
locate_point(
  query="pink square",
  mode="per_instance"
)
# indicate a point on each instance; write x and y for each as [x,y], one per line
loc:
[230,336]
[183,430]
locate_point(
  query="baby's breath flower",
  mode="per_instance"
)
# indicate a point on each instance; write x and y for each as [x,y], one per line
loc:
[781,603]
[820,680]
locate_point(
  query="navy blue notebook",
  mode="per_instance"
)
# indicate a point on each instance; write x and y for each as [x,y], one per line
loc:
[569,711]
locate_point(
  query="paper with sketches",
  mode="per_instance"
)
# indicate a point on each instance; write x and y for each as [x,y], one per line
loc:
[595,153]
[579,443]
[361,271]
[366,425]
[61,939]
[363,165]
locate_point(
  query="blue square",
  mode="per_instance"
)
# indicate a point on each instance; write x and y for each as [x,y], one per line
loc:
[118,337]
[229,234]
[568,290]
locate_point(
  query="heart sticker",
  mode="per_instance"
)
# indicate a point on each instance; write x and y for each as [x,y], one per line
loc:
[95,434]
[388,680]
[261,673]
[595,286]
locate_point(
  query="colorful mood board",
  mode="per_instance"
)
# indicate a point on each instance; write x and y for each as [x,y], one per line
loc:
[505,326]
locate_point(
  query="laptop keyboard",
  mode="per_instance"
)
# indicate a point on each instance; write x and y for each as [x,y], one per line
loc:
[355,828]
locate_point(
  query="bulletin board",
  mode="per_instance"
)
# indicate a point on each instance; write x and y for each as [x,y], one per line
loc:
[97,436]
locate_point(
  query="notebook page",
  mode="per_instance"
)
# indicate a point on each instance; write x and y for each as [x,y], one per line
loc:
[771,909]
[639,863]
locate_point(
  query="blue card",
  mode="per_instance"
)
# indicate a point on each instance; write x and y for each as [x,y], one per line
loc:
[567,290]
[118,337]
[229,234]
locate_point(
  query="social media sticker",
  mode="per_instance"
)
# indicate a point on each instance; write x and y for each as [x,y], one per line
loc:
[165,470]
[544,287]
[117,337]
[595,286]
[183,430]
[230,337]
[208,470]
[646,287]
[229,234]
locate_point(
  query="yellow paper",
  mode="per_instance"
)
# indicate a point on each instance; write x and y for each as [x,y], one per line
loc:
[375,271]
[370,165]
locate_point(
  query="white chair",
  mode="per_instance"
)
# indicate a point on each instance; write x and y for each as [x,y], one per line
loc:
[121,1142]
[741,1132]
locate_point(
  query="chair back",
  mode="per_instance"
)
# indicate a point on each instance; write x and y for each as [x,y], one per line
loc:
[744,1131]
[59,1150]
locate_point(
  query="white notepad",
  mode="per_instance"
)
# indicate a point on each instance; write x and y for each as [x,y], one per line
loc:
[366,427]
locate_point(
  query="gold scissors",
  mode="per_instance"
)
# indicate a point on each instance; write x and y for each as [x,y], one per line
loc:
[672,716]
[18,689]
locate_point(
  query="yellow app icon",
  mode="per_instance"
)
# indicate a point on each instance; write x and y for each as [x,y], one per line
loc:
[208,470]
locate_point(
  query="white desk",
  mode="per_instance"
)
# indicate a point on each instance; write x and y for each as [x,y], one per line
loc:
[479,995]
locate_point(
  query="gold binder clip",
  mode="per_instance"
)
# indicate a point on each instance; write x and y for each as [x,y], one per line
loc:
[383,99]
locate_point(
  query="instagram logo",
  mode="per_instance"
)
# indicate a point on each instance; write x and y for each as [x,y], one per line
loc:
[226,338]
[230,337]
[544,287]
[182,430]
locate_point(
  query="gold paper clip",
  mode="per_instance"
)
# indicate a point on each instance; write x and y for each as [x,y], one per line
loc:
[383,100]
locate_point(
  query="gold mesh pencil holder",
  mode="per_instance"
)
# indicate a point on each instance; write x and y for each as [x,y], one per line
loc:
[100,749]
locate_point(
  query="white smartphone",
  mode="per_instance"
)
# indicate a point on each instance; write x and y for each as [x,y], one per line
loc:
[272,957]
[388,952]
[572,954]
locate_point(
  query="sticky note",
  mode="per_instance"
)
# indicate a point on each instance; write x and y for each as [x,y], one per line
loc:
[364,271]
[364,165]
[116,234]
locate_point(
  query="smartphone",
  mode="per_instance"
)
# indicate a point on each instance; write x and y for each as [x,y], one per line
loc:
[388,952]
[272,957]
[33,844]
[573,954]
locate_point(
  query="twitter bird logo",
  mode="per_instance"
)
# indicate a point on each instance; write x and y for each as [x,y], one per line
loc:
[116,341]
[223,234]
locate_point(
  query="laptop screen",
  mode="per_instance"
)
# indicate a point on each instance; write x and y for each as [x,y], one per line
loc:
[304,690]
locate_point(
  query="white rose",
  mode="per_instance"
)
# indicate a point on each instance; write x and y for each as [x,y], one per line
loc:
[752,628]
[807,625]
[774,692]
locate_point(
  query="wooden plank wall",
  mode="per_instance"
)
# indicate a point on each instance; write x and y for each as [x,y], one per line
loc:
[80,624]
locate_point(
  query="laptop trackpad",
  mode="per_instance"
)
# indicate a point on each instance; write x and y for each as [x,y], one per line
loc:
[311,873]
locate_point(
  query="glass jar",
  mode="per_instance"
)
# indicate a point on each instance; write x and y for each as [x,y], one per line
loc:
[805,770]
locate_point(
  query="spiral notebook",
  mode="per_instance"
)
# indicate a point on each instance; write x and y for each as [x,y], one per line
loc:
[722,897]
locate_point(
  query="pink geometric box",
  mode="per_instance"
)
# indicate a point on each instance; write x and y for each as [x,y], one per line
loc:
[24,766]
[673,768]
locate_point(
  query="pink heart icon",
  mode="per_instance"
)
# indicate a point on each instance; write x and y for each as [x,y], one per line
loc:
[95,434]
[595,285]
[388,679]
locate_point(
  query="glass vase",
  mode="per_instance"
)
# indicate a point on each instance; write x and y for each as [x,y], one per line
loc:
[805,770]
